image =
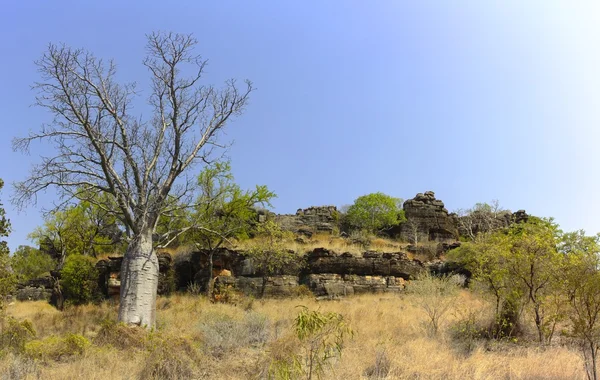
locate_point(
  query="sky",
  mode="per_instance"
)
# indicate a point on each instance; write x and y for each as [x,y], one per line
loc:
[474,100]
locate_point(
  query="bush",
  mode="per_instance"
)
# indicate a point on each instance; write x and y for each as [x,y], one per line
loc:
[14,334]
[223,334]
[120,336]
[435,296]
[170,358]
[57,348]
[79,279]
[21,367]
[467,332]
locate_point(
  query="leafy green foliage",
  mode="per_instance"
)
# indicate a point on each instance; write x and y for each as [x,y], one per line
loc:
[7,278]
[29,263]
[225,211]
[57,348]
[81,229]
[520,267]
[79,279]
[375,212]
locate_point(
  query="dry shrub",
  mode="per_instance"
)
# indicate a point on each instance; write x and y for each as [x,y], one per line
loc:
[222,334]
[381,368]
[120,336]
[18,367]
[170,358]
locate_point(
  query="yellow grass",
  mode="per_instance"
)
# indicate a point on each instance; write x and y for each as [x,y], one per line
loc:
[387,325]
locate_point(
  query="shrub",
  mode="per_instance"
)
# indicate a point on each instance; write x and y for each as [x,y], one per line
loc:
[222,333]
[170,358]
[435,296]
[15,334]
[381,368]
[120,336]
[21,367]
[318,337]
[57,348]
[467,331]
[79,279]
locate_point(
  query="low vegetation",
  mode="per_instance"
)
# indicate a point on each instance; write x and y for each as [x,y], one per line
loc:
[370,337]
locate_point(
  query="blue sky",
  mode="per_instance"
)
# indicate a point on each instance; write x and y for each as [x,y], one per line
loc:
[475,100]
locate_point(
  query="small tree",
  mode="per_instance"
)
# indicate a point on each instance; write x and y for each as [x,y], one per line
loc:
[320,337]
[581,278]
[224,211]
[435,296]
[375,212]
[270,255]
[29,263]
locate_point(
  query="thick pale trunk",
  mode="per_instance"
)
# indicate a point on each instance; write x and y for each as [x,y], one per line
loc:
[139,283]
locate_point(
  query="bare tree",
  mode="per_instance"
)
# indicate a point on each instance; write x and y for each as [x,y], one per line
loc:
[102,147]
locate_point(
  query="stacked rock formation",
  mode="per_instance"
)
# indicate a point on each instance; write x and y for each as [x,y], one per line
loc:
[428,219]
[310,220]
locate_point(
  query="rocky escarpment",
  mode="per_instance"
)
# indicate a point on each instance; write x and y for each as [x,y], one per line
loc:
[310,220]
[427,219]
[322,271]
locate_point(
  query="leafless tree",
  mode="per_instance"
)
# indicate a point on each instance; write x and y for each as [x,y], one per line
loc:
[101,146]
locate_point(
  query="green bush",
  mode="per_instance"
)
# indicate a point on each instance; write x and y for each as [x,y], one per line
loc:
[57,348]
[79,279]
[15,334]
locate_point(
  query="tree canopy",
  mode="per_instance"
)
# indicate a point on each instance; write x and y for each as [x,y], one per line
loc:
[375,212]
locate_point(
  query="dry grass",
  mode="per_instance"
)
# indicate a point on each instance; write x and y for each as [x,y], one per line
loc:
[328,241]
[198,339]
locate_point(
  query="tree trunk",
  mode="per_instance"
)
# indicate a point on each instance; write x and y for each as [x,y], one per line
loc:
[139,282]
[210,281]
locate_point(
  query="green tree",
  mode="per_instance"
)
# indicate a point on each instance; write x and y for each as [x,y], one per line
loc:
[79,279]
[270,255]
[224,211]
[84,228]
[519,266]
[7,278]
[375,212]
[29,263]
[581,279]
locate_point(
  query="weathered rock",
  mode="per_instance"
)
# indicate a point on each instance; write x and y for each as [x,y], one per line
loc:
[273,286]
[29,293]
[310,220]
[395,264]
[428,218]
[334,285]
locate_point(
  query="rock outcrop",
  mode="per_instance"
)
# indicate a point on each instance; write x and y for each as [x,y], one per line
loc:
[310,220]
[427,219]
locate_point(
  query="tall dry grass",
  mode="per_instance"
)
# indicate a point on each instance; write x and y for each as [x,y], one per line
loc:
[198,339]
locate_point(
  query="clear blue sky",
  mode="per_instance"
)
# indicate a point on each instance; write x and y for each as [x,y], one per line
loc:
[475,100]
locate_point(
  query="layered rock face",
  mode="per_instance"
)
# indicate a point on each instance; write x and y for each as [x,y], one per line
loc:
[310,220]
[324,272]
[427,219]
[39,289]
